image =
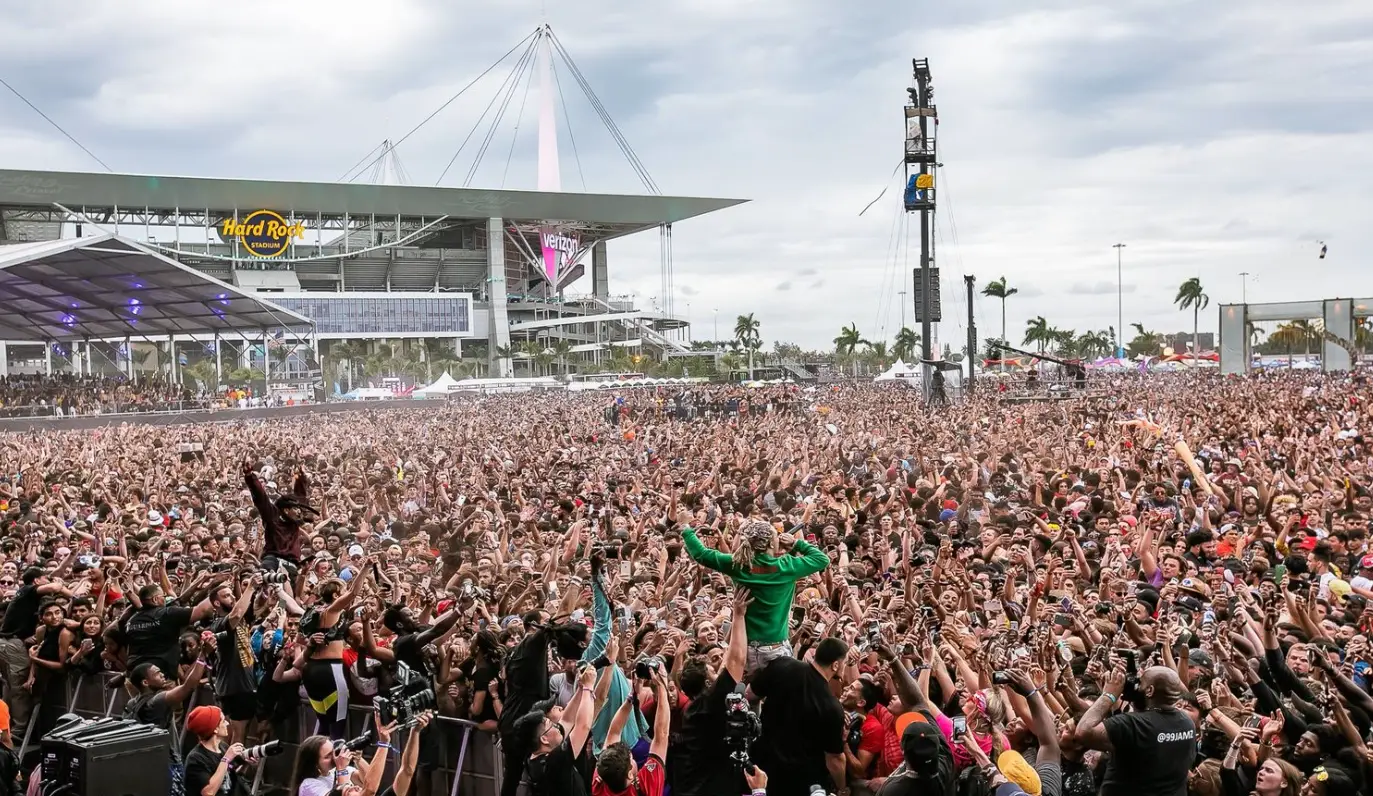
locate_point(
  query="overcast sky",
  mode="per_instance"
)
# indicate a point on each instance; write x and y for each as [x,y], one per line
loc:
[1210,137]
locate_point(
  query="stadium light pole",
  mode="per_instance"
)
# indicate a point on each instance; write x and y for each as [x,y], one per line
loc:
[716,333]
[1244,287]
[1120,299]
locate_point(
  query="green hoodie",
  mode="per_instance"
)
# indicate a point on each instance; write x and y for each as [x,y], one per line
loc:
[771,583]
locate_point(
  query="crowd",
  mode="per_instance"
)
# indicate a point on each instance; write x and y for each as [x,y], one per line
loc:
[1163,591]
[65,394]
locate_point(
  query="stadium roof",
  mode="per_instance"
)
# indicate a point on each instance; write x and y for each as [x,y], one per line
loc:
[75,190]
[106,286]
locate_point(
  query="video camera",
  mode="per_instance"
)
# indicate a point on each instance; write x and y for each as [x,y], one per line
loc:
[742,728]
[406,700]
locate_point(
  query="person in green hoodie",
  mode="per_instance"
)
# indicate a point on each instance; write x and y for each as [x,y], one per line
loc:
[769,577]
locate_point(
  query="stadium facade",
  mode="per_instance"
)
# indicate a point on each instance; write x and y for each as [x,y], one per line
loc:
[370,262]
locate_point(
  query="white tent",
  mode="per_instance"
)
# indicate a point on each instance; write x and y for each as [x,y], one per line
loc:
[899,371]
[438,389]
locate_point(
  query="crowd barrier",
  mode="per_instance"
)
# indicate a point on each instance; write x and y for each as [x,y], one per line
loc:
[109,408]
[191,417]
[469,764]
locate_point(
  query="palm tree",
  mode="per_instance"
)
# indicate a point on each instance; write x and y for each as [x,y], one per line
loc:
[561,350]
[907,340]
[1191,296]
[1038,332]
[878,352]
[746,332]
[203,374]
[846,344]
[1288,335]
[1145,343]
[997,288]
[1309,332]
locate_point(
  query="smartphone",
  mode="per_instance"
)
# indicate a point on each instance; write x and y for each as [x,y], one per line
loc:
[626,569]
[1254,721]
[820,630]
[960,727]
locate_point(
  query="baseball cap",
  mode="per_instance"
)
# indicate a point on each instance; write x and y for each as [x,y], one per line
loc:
[1014,767]
[1366,562]
[920,743]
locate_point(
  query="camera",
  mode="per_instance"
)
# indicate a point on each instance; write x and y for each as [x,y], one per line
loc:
[253,754]
[278,577]
[742,728]
[409,697]
[1001,678]
[645,667]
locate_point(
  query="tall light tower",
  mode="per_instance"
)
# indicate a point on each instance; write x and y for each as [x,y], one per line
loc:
[921,125]
[1120,301]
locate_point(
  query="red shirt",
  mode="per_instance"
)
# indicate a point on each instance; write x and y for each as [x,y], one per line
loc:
[891,755]
[651,781]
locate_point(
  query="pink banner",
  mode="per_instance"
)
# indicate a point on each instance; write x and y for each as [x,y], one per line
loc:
[558,252]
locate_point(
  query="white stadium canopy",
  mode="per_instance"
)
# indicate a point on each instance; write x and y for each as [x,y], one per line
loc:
[108,287]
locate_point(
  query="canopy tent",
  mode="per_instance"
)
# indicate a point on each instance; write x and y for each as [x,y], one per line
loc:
[439,388]
[109,287]
[899,371]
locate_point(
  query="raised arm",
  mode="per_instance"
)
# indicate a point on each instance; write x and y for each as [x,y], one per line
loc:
[703,555]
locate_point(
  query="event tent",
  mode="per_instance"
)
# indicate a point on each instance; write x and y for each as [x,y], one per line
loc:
[438,389]
[899,371]
[108,287]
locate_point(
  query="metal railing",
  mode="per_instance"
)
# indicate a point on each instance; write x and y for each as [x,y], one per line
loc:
[470,761]
[111,408]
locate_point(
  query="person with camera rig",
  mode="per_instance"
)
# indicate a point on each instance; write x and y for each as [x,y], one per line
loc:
[324,767]
[211,768]
[281,520]
[1152,750]
[758,565]
[711,733]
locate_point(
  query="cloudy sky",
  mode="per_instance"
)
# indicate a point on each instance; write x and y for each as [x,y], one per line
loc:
[1210,137]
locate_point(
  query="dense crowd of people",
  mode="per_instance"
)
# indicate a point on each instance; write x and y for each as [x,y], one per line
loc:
[66,394]
[1163,591]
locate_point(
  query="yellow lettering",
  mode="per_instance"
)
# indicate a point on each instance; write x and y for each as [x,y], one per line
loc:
[255,229]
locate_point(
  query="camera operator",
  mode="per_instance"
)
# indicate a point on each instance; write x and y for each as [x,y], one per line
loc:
[1152,750]
[526,685]
[803,723]
[407,647]
[210,767]
[700,759]
[323,767]
[616,774]
[281,520]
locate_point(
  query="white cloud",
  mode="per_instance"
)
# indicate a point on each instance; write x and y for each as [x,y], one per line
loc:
[1211,138]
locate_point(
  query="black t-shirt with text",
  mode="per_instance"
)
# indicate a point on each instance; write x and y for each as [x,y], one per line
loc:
[1153,751]
[231,677]
[152,635]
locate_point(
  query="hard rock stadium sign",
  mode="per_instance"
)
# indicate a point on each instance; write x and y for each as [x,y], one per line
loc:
[263,233]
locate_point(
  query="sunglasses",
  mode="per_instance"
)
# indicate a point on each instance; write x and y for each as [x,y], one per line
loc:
[6,583]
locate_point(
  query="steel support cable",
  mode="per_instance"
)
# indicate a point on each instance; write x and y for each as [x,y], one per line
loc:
[519,67]
[362,160]
[55,125]
[889,265]
[461,91]
[609,122]
[606,118]
[519,117]
[557,81]
[496,121]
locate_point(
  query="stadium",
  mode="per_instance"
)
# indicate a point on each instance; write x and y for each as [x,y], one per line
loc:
[314,266]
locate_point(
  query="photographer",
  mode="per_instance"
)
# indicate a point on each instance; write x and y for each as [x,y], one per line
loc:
[1152,750]
[210,768]
[700,755]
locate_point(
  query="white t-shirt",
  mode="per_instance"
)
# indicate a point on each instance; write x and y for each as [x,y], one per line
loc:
[322,785]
